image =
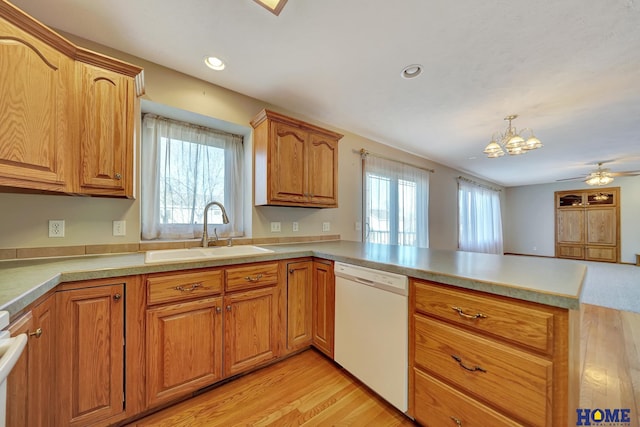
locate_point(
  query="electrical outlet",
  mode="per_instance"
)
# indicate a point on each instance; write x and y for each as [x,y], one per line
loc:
[326,226]
[56,228]
[119,228]
[295,226]
[275,227]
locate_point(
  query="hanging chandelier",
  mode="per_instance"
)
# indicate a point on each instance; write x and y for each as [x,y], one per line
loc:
[511,141]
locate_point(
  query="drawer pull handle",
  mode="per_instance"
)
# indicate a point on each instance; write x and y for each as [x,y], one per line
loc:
[191,289]
[472,369]
[469,316]
[457,421]
[253,279]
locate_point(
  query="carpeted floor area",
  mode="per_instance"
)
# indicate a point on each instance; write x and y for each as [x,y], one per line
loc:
[612,285]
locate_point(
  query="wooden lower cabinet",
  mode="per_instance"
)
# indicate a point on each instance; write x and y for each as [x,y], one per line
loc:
[442,405]
[29,386]
[483,360]
[90,366]
[251,329]
[323,310]
[299,304]
[184,343]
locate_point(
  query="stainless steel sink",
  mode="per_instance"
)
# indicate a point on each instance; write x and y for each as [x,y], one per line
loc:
[197,253]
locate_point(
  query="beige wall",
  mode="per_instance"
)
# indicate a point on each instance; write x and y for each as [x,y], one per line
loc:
[529,227]
[24,218]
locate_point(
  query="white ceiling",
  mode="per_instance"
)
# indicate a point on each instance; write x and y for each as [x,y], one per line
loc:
[569,68]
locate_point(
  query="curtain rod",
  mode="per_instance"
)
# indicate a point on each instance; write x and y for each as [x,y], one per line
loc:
[470,181]
[364,153]
[192,125]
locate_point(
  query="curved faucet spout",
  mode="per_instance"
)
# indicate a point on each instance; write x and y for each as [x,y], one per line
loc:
[225,220]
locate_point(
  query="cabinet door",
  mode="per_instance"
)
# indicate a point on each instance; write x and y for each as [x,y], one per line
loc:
[323,170]
[570,226]
[30,385]
[288,163]
[184,348]
[34,111]
[91,345]
[106,132]
[250,329]
[299,308]
[323,313]
[601,226]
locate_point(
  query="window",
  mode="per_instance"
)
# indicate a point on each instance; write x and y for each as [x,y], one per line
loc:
[396,203]
[479,218]
[184,167]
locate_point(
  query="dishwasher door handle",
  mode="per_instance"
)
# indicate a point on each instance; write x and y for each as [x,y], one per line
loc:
[10,351]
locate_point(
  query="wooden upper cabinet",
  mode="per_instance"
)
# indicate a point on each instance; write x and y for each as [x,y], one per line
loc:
[106,131]
[295,163]
[34,112]
[323,164]
[66,113]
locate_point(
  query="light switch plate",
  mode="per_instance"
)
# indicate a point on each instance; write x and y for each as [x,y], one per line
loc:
[326,226]
[119,228]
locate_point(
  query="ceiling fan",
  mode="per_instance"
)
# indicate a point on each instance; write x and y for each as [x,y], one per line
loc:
[601,176]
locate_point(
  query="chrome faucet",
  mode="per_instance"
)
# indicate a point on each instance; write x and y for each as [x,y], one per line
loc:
[225,220]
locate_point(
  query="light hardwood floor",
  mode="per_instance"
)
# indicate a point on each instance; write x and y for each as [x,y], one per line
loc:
[309,390]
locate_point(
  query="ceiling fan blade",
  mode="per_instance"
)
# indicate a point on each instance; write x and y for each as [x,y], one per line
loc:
[626,173]
[575,178]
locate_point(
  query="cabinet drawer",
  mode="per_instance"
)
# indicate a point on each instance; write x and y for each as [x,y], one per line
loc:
[515,381]
[437,404]
[513,320]
[252,276]
[182,286]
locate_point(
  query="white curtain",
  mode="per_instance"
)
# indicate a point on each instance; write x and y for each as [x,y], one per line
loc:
[184,167]
[396,203]
[479,218]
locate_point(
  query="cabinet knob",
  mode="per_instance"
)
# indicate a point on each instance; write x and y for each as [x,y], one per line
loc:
[291,271]
[218,310]
[117,297]
[118,176]
[229,308]
[37,333]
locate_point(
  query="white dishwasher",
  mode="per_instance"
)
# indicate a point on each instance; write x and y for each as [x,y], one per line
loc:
[10,351]
[371,329]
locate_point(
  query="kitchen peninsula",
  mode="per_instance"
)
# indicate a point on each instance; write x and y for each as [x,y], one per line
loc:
[529,331]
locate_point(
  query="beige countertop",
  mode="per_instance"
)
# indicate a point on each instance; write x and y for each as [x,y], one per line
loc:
[545,280]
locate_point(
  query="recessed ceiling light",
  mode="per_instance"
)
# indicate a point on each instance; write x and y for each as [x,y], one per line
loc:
[411,71]
[214,63]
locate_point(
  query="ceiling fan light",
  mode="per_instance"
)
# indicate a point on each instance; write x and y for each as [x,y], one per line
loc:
[597,178]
